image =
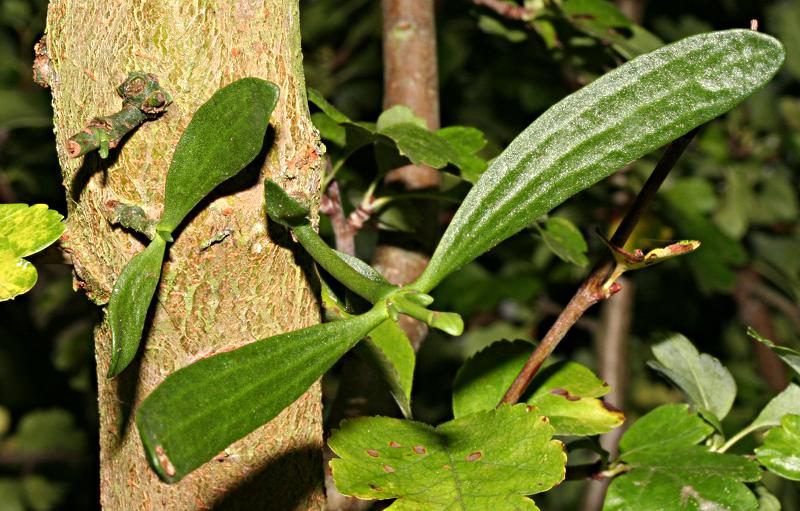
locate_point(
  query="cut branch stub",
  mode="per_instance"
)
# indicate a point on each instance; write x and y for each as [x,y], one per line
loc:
[142,99]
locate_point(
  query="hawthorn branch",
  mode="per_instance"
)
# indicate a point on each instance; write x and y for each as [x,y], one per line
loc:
[507,9]
[591,290]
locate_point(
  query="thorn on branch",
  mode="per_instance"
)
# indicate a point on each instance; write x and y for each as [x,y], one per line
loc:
[142,99]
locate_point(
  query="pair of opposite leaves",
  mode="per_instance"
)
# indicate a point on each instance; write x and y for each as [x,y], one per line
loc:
[643,104]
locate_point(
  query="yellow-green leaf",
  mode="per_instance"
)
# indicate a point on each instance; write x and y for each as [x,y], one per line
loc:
[24,230]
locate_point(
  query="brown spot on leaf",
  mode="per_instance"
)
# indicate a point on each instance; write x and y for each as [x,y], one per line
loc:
[474,456]
[394,444]
[373,453]
[611,408]
[565,394]
[376,488]
[419,449]
[446,467]
[164,462]
[388,469]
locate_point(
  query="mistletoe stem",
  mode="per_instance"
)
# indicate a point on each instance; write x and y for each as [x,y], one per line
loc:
[591,290]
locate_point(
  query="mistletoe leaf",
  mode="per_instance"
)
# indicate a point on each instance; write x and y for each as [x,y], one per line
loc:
[24,230]
[627,113]
[706,383]
[487,460]
[201,409]
[225,134]
[130,301]
[781,450]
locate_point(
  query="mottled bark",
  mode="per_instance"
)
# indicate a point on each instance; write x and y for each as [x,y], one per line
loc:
[247,286]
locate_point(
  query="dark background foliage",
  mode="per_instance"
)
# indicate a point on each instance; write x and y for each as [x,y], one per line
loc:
[736,190]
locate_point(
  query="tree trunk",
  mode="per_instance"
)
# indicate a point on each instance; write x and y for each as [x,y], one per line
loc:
[242,288]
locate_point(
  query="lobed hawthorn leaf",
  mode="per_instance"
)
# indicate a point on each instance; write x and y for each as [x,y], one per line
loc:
[201,409]
[488,460]
[667,470]
[781,450]
[788,355]
[565,240]
[24,230]
[565,392]
[787,402]
[388,350]
[623,115]
[130,300]
[707,384]
[225,134]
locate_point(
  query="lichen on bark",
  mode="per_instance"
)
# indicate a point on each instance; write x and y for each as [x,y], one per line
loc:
[245,287]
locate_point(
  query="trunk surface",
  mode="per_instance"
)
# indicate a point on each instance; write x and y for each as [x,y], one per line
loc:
[245,287]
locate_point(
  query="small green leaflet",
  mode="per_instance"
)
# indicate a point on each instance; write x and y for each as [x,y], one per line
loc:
[201,409]
[627,113]
[667,470]
[781,450]
[399,130]
[225,134]
[386,348]
[707,384]
[564,240]
[24,230]
[130,301]
[565,392]
[389,351]
[487,460]
[788,355]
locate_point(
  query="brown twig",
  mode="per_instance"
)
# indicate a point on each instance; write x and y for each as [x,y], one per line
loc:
[331,204]
[507,9]
[591,291]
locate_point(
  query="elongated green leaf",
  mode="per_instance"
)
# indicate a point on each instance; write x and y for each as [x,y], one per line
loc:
[389,351]
[781,450]
[24,230]
[487,460]
[130,301]
[224,135]
[199,410]
[619,117]
[788,355]
[564,392]
[705,381]
[667,470]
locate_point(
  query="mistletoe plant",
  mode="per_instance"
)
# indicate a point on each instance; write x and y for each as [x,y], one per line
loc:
[489,454]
